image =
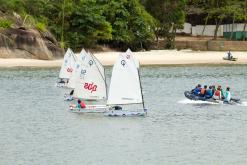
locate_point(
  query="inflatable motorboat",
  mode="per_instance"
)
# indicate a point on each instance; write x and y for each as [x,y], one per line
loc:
[191,96]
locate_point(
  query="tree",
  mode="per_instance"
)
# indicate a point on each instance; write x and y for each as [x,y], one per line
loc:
[170,15]
[88,22]
[131,24]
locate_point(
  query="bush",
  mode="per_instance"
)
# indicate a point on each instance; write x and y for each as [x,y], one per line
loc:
[40,26]
[5,23]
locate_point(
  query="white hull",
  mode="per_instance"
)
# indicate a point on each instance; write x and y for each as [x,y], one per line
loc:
[125,113]
[90,109]
[61,85]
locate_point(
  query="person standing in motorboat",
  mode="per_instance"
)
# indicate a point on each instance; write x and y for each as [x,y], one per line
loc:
[217,94]
[227,95]
[203,91]
[209,93]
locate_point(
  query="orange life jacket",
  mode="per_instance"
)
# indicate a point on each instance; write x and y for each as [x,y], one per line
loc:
[203,90]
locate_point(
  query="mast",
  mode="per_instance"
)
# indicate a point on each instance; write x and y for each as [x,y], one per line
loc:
[143,104]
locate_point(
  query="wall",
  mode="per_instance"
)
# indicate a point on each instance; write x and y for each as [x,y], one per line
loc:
[212,45]
[209,30]
[186,30]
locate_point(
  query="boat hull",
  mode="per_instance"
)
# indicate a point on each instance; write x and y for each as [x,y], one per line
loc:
[230,59]
[191,96]
[125,113]
[61,85]
[90,109]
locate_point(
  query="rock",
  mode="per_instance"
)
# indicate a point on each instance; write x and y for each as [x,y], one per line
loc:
[28,43]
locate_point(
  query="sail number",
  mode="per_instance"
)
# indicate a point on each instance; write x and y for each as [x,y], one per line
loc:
[70,70]
[90,86]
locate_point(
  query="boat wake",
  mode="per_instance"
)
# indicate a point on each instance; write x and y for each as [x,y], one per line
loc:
[244,104]
[187,101]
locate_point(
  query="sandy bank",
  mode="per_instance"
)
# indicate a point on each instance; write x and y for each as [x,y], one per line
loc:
[155,57]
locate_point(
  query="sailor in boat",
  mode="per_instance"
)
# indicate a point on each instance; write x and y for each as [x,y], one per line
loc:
[217,94]
[61,81]
[80,105]
[213,89]
[209,93]
[117,107]
[70,96]
[203,91]
[197,90]
[227,95]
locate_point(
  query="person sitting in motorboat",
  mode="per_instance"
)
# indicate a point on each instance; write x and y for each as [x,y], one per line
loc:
[217,94]
[227,95]
[197,90]
[203,91]
[213,89]
[209,93]
[222,93]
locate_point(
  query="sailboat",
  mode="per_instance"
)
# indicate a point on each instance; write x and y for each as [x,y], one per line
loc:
[67,68]
[125,87]
[90,84]
[79,64]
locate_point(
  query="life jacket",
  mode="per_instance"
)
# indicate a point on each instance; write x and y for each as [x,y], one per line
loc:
[227,96]
[197,90]
[217,93]
[203,90]
[209,93]
[83,105]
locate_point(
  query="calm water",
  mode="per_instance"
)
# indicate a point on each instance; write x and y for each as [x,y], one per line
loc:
[36,127]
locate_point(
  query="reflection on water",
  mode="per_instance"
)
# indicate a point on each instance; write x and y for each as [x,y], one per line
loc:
[36,126]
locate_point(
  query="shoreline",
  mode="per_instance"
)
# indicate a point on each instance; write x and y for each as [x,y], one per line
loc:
[148,58]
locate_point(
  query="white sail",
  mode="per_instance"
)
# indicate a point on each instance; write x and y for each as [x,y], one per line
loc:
[99,65]
[125,83]
[130,53]
[79,65]
[90,83]
[74,75]
[68,64]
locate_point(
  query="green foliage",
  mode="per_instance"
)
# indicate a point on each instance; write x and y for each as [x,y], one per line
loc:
[40,27]
[88,22]
[130,22]
[119,23]
[170,15]
[5,23]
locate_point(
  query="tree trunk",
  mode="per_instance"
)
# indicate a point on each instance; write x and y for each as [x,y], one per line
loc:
[62,28]
[218,23]
[233,21]
[206,22]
